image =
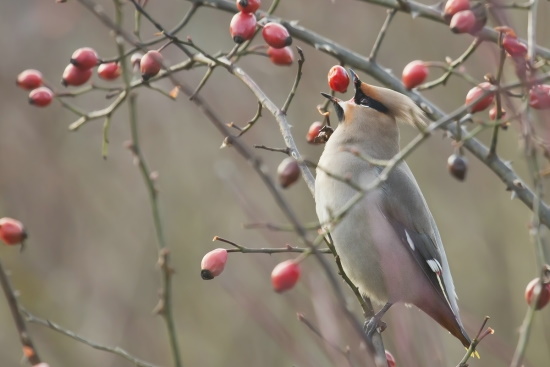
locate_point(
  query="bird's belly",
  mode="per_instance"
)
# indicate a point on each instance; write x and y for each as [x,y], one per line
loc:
[371,253]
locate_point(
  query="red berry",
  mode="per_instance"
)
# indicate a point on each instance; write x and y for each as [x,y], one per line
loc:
[84,58]
[288,172]
[109,71]
[248,6]
[539,97]
[544,296]
[475,93]
[29,79]
[457,166]
[454,6]
[285,275]
[41,96]
[276,36]
[150,64]
[212,263]
[313,131]
[75,76]
[281,56]
[338,79]
[414,74]
[242,27]
[12,231]
[463,21]
[514,47]
[390,359]
[493,113]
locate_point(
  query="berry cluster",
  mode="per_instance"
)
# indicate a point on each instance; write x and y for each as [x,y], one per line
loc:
[80,69]
[243,28]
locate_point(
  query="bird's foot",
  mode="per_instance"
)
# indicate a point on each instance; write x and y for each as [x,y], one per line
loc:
[372,325]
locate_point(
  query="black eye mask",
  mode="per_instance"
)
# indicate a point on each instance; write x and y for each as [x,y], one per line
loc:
[364,100]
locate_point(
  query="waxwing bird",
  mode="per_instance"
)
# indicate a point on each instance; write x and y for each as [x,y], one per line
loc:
[388,242]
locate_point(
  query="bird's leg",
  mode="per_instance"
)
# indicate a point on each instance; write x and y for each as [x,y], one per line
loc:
[376,322]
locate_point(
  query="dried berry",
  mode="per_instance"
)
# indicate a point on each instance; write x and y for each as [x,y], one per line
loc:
[288,172]
[458,166]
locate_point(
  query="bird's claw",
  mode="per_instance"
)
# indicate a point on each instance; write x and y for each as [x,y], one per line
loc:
[373,324]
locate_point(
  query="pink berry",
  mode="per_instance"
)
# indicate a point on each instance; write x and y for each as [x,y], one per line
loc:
[242,27]
[454,6]
[544,296]
[475,93]
[213,263]
[539,97]
[463,21]
[109,71]
[276,36]
[75,76]
[12,231]
[41,96]
[514,47]
[248,6]
[390,359]
[29,79]
[150,64]
[414,74]
[285,275]
[84,58]
[281,56]
[313,131]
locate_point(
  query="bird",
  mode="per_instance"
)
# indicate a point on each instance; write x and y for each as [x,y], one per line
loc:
[388,242]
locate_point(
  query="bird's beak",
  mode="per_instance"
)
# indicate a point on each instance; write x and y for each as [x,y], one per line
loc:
[336,102]
[331,98]
[356,81]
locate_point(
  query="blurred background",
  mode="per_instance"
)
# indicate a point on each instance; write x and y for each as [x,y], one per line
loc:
[90,263]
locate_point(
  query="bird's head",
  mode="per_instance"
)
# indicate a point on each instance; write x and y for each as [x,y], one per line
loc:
[372,104]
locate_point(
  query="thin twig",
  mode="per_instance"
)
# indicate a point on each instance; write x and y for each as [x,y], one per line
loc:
[279,150]
[71,334]
[251,123]
[494,139]
[165,303]
[287,248]
[301,60]
[29,350]
[381,34]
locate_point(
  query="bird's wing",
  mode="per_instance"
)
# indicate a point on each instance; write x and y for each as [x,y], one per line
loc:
[417,230]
